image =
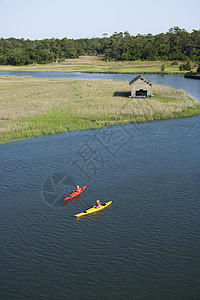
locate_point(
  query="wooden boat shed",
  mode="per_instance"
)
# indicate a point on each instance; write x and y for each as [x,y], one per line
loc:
[140,87]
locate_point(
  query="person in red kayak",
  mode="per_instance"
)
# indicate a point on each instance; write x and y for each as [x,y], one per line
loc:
[98,204]
[77,189]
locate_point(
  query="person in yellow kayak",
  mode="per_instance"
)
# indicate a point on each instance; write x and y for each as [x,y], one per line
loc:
[78,189]
[98,204]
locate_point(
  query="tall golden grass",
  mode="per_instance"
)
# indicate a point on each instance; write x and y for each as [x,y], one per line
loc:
[32,107]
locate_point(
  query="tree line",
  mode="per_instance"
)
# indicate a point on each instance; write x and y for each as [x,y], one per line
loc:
[177,44]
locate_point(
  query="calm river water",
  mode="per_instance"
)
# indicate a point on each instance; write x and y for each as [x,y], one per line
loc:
[144,246]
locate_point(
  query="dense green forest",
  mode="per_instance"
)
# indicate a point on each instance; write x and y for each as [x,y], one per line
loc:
[176,44]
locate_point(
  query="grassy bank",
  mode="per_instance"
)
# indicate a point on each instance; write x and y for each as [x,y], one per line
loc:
[94,64]
[32,107]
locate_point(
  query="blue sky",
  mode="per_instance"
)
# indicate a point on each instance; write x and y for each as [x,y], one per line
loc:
[41,19]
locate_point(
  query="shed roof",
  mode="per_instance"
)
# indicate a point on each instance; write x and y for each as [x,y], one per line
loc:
[140,77]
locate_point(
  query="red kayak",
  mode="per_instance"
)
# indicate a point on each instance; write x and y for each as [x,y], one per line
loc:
[74,194]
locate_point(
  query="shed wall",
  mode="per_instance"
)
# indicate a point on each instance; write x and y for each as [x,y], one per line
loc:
[140,85]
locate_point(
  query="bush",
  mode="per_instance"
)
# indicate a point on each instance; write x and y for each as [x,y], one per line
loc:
[174,63]
[162,68]
[198,68]
[185,66]
[188,66]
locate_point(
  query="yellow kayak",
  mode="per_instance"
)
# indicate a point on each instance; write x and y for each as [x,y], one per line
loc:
[93,210]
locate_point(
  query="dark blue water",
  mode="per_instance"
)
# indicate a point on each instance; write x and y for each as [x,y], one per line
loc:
[144,246]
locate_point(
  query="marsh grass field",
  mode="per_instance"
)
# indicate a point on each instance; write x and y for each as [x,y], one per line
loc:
[96,64]
[32,107]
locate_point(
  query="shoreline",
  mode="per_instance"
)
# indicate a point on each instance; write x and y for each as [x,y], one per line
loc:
[100,127]
[94,72]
